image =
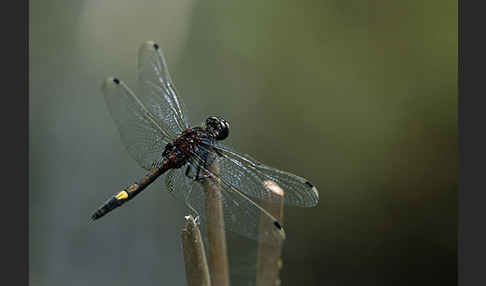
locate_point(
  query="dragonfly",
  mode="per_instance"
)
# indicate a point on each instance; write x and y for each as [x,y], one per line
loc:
[155,131]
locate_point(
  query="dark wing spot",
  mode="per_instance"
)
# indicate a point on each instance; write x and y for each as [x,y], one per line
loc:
[115,80]
[156,46]
[277,224]
[309,184]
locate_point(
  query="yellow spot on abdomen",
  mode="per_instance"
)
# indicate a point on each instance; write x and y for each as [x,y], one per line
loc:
[122,195]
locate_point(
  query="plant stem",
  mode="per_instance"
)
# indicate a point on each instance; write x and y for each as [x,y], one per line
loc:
[217,252]
[197,272]
[269,261]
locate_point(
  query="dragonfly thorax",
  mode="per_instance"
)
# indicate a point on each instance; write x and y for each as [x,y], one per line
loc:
[180,150]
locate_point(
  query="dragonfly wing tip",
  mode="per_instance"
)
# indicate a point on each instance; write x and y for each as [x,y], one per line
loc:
[313,189]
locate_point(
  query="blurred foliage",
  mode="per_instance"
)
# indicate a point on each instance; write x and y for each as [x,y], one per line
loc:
[358,96]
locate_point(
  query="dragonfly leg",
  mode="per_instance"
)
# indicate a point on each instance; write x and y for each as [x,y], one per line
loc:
[188,205]
[188,170]
[198,173]
[218,152]
[199,177]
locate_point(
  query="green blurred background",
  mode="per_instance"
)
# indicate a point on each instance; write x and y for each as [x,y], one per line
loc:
[358,96]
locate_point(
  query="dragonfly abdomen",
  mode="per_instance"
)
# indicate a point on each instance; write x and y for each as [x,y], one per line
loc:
[131,191]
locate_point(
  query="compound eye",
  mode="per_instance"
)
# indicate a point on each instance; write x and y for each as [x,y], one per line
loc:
[223,130]
[211,122]
[218,127]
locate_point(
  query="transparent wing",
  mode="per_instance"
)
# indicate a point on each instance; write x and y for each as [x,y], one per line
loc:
[157,91]
[179,185]
[248,175]
[241,215]
[142,133]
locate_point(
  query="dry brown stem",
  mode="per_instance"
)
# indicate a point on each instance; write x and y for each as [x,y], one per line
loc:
[269,261]
[197,271]
[217,252]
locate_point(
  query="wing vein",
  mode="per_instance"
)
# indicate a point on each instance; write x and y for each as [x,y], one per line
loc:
[145,110]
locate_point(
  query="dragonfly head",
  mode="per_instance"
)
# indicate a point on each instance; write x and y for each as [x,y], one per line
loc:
[217,127]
